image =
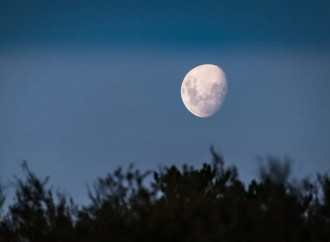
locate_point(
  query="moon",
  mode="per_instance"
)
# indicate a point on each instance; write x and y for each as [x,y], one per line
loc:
[204,89]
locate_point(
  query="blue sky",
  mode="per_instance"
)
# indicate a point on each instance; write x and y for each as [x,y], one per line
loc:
[86,86]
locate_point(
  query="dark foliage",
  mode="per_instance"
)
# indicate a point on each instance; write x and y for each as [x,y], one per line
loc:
[188,204]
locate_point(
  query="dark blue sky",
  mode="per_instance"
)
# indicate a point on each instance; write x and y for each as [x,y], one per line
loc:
[164,23]
[86,86]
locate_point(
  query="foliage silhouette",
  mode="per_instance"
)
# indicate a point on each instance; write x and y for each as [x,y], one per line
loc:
[35,216]
[188,204]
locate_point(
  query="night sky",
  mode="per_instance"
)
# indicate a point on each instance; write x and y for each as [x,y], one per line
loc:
[87,86]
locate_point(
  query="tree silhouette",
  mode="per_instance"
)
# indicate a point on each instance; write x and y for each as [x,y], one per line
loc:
[173,204]
[35,216]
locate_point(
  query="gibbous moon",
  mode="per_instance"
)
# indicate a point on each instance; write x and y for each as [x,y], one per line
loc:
[203,90]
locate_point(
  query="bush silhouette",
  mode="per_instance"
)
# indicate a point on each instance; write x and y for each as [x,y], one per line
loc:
[188,204]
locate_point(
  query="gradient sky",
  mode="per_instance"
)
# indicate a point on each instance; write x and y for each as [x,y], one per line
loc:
[86,86]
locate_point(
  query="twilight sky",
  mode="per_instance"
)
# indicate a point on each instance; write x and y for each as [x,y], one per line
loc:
[86,86]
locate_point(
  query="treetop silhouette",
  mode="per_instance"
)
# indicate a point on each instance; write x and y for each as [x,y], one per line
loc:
[188,204]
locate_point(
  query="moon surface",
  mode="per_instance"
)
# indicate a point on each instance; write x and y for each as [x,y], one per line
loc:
[204,89]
